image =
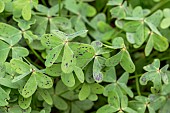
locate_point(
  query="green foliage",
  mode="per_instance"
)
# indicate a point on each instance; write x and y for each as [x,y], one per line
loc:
[84,56]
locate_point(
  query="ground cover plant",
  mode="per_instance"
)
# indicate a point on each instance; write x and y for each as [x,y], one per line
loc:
[84,56]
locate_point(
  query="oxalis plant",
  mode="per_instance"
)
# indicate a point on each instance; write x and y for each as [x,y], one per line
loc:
[84,56]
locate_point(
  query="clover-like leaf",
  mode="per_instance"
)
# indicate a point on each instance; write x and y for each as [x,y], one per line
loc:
[115,2]
[53,55]
[84,92]
[54,70]
[96,88]
[68,79]
[79,73]
[59,103]
[114,60]
[50,41]
[24,103]
[30,87]
[2,6]
[82,52]
[18,52]
[155,75]
[43,81]
[165,22]
[114,99]
[8,83]
[23,8]
[106,109]
[20,66]
[4,50]
[61,23]
[4,96]
[68,60]
[155,18]
[26,12]
[9,34]
[118,43]
[78,33]
[118,12]
[123,57]
[46,96]
[160,43]
[97,74]
[126,62]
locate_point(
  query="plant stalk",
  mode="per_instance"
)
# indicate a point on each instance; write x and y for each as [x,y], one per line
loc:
[35,53]
[159,5]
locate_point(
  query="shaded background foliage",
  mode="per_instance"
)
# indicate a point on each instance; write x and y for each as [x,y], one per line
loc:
[77,56]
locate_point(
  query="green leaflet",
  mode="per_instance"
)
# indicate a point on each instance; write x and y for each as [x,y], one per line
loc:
[149,46]
[118,12]
[124,59]
[8,83]
[18,52]
[53,55]
[50,41]
[155,18]
[20,66]
[114,2]
[26,12]
[54,70]
[96,88]
[160,43]
[84,92]
[24,103]
[97,74]
[43,81]
[68,60]
[59,23]
[79,73]
[46,96]
[4,96]
[106,109]
[30,87]
[114,60]
[2,6]
[114,99]
[17,78]
[9,34]
[4,50]
[126,62]
[118,43]
[68,79]
[60,103]
[82,52]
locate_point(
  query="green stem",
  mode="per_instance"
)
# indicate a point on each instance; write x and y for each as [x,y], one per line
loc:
[137,85]
[165,58]
[132,77]
[44,3]
[35,53]
[33,63]
[105,8]
[59,2]
[159,5]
